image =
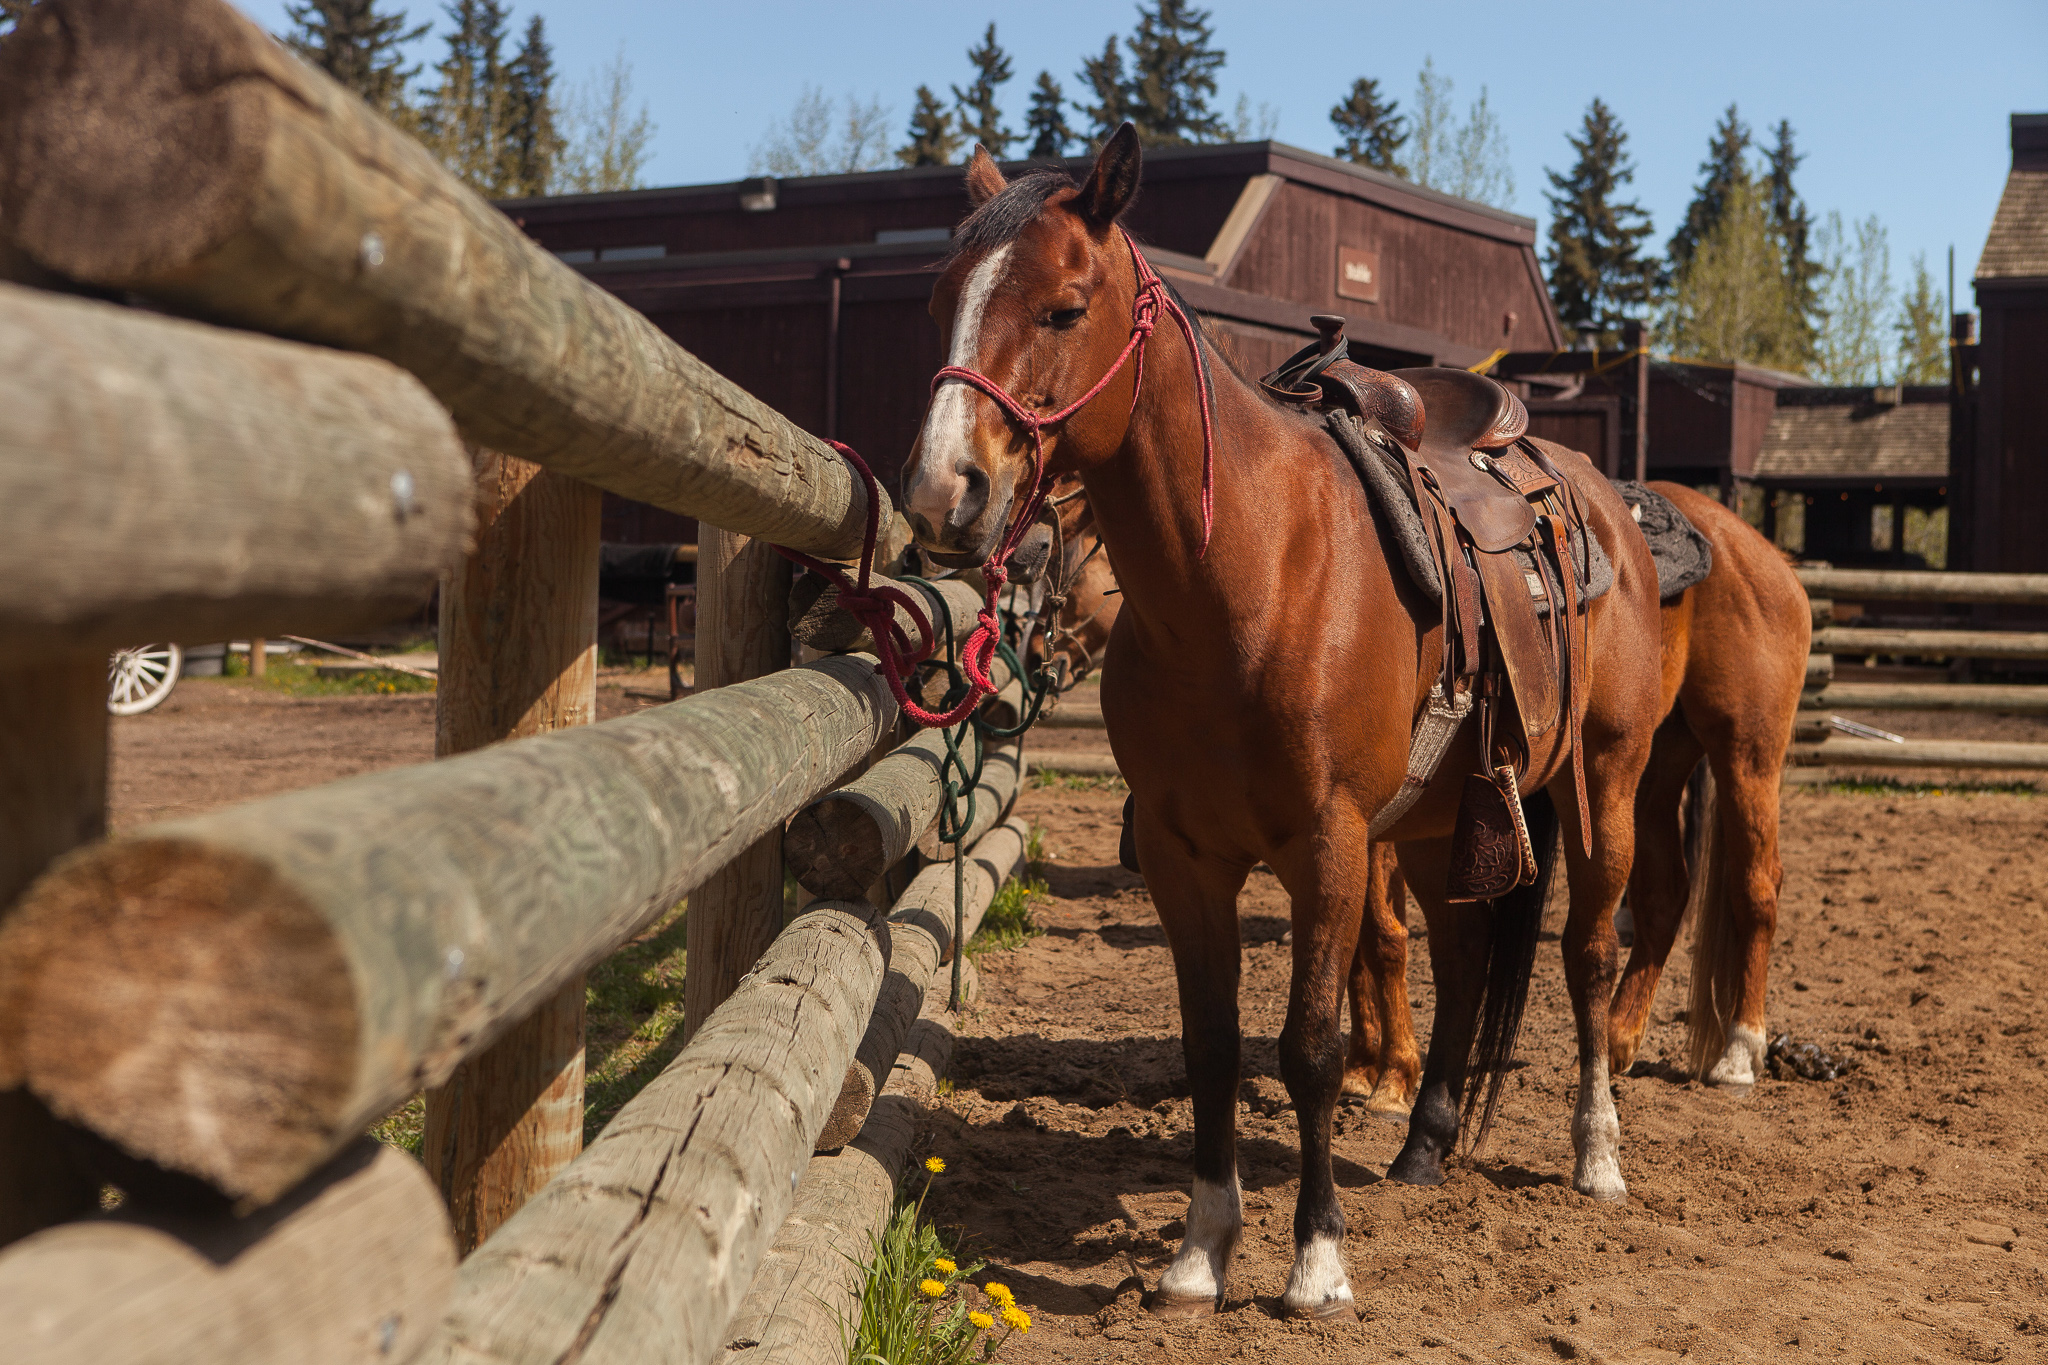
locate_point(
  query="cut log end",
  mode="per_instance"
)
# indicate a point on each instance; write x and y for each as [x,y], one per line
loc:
[100,134]
[835,849]
[186,1005]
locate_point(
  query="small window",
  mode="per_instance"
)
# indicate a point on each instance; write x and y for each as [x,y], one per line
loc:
[581,255]
[632,253]
[889,235]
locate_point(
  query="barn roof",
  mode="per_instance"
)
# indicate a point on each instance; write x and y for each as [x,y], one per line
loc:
[2018,245]
[1822,435]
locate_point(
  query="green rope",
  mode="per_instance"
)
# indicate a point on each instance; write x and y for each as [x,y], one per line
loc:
[960,778]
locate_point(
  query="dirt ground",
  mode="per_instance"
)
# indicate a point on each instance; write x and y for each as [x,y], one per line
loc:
[1899,1214]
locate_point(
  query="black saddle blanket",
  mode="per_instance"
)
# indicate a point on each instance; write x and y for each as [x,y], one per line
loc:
[1683,555]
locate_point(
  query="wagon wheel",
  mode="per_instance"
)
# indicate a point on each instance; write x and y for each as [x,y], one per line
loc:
[139,679]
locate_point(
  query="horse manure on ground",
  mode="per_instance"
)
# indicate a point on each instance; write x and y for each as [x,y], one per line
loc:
[1805,1061]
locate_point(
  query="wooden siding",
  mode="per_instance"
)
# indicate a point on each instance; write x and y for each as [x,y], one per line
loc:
[2013,436]
[1458,285]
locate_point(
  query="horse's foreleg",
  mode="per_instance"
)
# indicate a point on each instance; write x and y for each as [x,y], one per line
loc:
[1458,941]
[1657,886]
[1197,903]
[1329,888]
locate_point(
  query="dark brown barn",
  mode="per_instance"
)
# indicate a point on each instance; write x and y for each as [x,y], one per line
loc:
[2002,466]
[811,293]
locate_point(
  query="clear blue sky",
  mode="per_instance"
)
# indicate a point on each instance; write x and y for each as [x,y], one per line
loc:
[1900,108]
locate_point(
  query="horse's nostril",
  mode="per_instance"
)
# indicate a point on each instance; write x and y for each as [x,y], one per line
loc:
[969,508]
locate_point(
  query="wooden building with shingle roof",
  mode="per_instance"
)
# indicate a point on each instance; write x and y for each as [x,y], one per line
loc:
[1854,460]
[2000,507]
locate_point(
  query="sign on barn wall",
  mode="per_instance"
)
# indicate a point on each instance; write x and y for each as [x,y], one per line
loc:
[1358,274]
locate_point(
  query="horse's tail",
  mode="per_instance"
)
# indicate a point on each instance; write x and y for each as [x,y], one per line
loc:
[1717,960]
[1510,957]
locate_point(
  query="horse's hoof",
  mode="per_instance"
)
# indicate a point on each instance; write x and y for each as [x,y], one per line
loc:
[1416,1172]
[1162,1305]
[1329,1310]
[1604,1185]
[1734,1090]
[1394,1104]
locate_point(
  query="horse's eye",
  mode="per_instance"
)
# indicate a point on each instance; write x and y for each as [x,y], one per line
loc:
[1064,318]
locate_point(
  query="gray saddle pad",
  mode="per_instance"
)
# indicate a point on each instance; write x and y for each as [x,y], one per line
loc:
[1683,555]
[1386,483]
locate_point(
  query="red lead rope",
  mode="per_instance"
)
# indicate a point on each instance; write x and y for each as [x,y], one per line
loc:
[873,604]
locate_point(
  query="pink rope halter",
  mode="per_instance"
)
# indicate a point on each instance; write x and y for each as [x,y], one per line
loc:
[873,604]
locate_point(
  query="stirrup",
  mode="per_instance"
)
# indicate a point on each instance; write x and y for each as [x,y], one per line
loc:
[1491,852]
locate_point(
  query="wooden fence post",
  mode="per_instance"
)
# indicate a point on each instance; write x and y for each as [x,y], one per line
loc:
[53,797]
[742,633]
[518,657]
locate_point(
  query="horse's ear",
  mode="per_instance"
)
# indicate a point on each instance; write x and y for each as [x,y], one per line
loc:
[1114,181]
[984,180]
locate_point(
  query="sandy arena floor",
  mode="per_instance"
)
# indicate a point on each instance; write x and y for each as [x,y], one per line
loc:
[1897,1215]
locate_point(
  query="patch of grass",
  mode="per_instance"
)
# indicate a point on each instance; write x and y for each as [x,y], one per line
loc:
[1034,849]
[633,1026]
[1892,786]
[918,1306]
[404,1127]
[1008,923]
[295,678]
[1077,782]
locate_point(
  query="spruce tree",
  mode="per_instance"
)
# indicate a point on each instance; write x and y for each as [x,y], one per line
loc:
[1373,132]
[463,119]
[1723,169]
[531,142]
[979,119]
[1598,275]
[1173,76]
[1795,232]
[1923,330]
[1046,122]
[352,42]
[1104,77]
[933,139]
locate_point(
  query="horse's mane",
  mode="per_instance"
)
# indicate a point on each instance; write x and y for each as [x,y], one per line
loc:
[1003,218]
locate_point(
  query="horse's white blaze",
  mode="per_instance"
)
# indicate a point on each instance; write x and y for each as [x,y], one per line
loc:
[1317,1280]
[1202,1266]
[948,437]
[1596,1135]
[1741,1061]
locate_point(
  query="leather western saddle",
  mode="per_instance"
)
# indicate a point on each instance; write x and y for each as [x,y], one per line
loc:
[1506,531]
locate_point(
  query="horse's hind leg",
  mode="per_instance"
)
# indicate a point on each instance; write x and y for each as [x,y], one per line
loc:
[1738,916]
[1197,903]
[1328,882]
[1657,886]
[1382,1062]
[1458,939]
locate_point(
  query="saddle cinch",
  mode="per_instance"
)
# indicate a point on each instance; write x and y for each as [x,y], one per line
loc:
[1514,636]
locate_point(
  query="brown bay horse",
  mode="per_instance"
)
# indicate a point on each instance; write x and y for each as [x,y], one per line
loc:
[1733,662]
[1262,682]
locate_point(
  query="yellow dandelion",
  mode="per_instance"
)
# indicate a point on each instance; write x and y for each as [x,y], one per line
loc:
[981,1319]
[933,1288]
[999,1292]
[1013,1316]
[944,1266]
[935,1165]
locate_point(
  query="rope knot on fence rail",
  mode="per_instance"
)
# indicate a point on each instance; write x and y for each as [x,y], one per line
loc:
[874,605]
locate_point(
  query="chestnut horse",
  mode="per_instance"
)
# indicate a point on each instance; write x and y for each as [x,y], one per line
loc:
[1734,660]
[1261,687]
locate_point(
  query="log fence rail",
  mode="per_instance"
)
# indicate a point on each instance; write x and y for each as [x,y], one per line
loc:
[219,1007]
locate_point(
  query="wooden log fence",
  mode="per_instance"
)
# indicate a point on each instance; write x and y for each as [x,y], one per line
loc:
[201,1289]
[304,963]
[239,185]
[333,489]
